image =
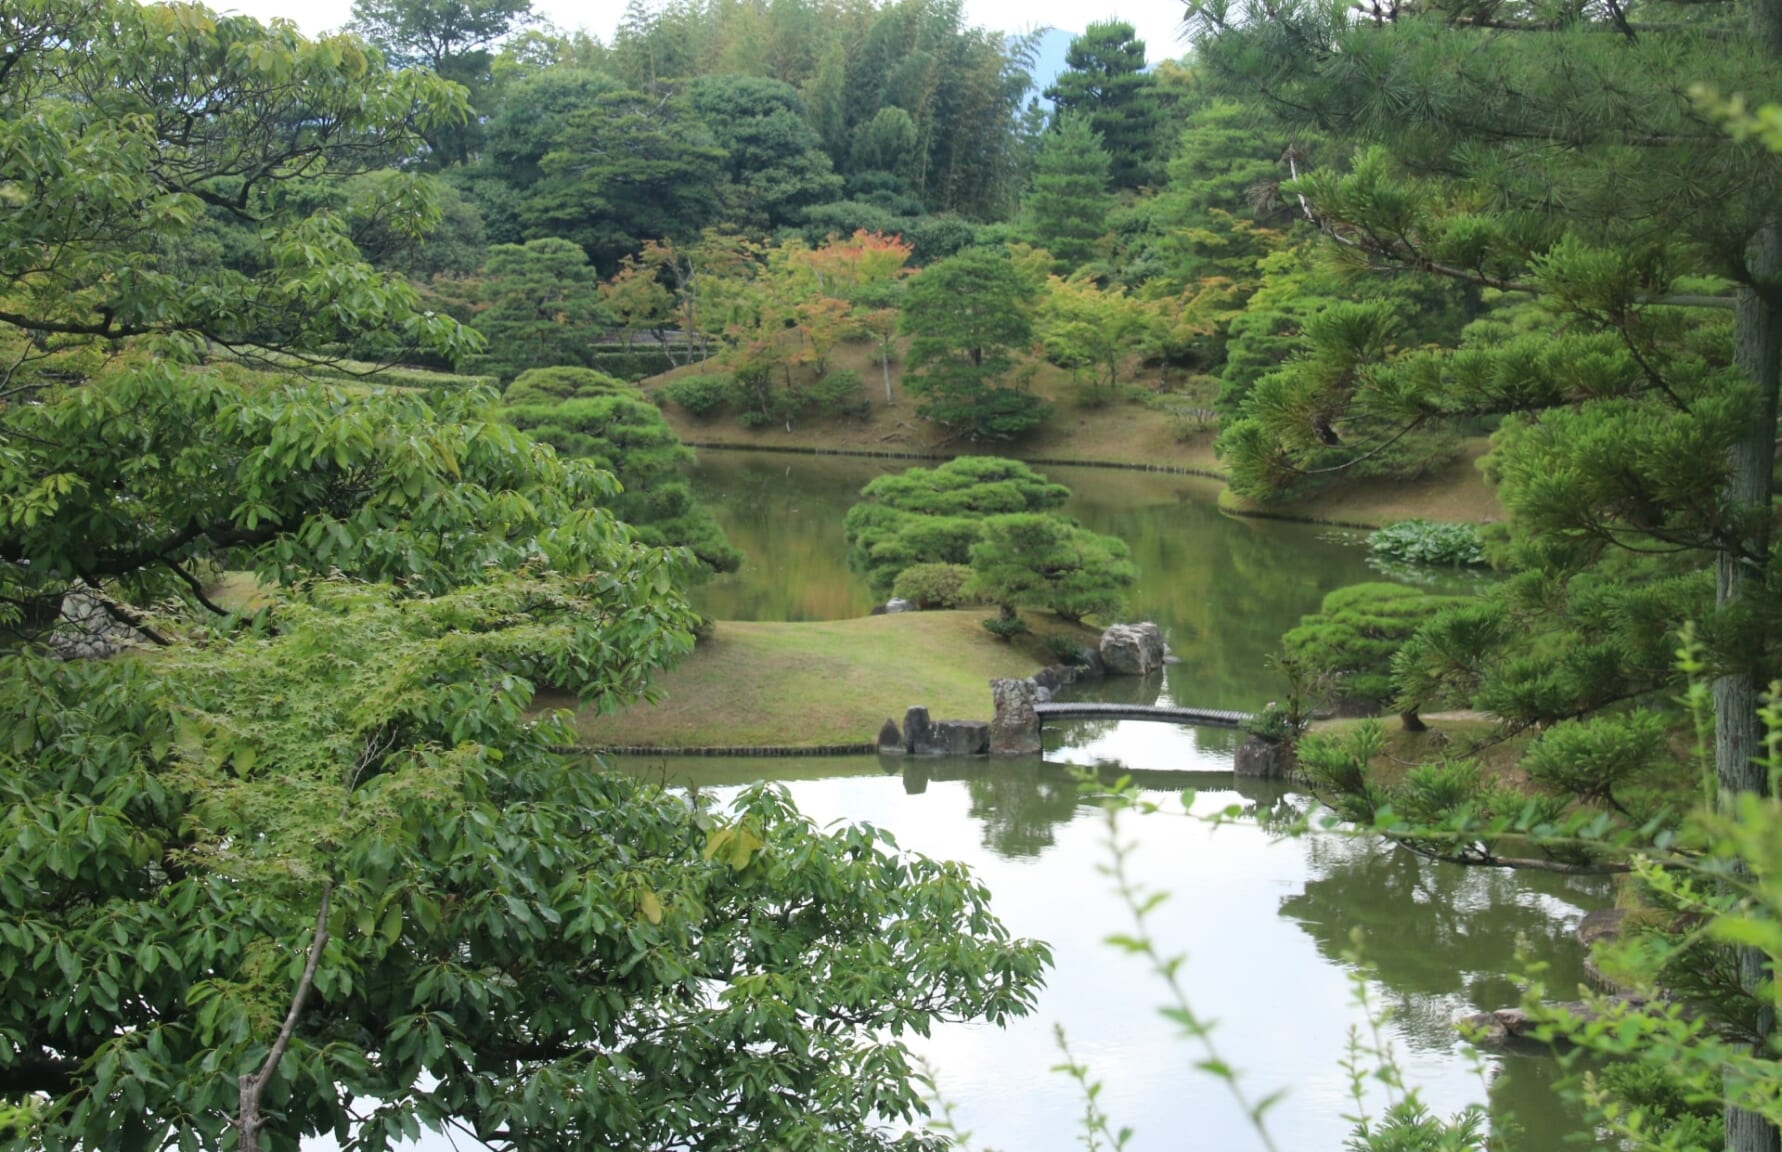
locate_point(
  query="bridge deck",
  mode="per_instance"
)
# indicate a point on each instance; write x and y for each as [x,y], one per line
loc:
[1203,717]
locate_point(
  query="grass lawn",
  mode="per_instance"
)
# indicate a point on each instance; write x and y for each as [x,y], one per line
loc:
[755,684]
[236,591]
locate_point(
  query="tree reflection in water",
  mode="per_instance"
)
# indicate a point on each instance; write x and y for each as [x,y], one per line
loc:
[1019,807]
[1444,941]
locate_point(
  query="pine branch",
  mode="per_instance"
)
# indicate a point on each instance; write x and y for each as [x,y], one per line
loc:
[1404,257]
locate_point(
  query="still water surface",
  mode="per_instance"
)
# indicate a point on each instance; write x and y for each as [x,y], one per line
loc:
[1268,923]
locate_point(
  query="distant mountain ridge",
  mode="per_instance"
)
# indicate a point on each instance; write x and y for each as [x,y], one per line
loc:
[1048,60]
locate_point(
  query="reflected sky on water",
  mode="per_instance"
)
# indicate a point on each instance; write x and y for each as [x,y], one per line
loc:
[1266,923]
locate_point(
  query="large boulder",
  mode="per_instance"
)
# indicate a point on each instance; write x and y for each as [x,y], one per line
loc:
[1262,759]
[1133,649]
[1015,728]
[915,728]
[959,738]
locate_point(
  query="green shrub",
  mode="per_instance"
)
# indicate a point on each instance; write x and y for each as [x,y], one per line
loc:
[700,395]
[629,437]
[1429,542]
[634,363]
[1274,724]
[935,515]
[1065,650]
[555,385]
[1346,648]
[1589,758]
[839,393]
[930,586]
[1667,1101]
[1044,560]
[1005,628]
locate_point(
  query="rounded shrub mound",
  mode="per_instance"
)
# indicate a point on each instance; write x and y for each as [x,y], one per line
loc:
[700,395]
[933,585]
[555,385]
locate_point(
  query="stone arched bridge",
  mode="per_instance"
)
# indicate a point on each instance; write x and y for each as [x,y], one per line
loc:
[1020,710]
[1168,714]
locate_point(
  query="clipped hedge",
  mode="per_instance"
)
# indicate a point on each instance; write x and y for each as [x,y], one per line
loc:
[629,364]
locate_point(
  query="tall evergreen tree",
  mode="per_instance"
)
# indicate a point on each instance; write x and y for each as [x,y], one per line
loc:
[1066,207]
[967,316]
[1106,81]
[453,38]
[774,163]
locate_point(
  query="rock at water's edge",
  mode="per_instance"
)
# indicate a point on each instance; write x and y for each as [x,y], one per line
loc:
[1015,729]
[1262,759]
[915,729]
[959,738]
[890,739]
[1133,649]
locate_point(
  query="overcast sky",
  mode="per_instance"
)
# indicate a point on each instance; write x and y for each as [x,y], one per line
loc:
[1157,21]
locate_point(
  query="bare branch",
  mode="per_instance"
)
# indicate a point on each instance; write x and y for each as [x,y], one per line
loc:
[194,587]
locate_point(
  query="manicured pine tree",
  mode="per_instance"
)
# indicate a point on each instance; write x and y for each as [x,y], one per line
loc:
[541,307]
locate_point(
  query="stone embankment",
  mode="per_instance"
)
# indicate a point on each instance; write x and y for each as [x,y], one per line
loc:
[87,630]
[1124,650]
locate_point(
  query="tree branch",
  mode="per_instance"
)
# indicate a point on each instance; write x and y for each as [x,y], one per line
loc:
[32,1074]
[194,587]
[1485,859]
[1408,259]
[128,617]
[249,1122]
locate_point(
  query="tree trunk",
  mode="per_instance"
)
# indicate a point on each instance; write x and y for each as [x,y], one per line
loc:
[1757,350]
[885,367]
[1412,722]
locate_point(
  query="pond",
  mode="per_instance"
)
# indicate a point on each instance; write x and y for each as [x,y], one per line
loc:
[1268,923]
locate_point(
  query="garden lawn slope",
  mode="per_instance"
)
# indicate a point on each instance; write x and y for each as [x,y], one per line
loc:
[1127,430]
[759,684]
